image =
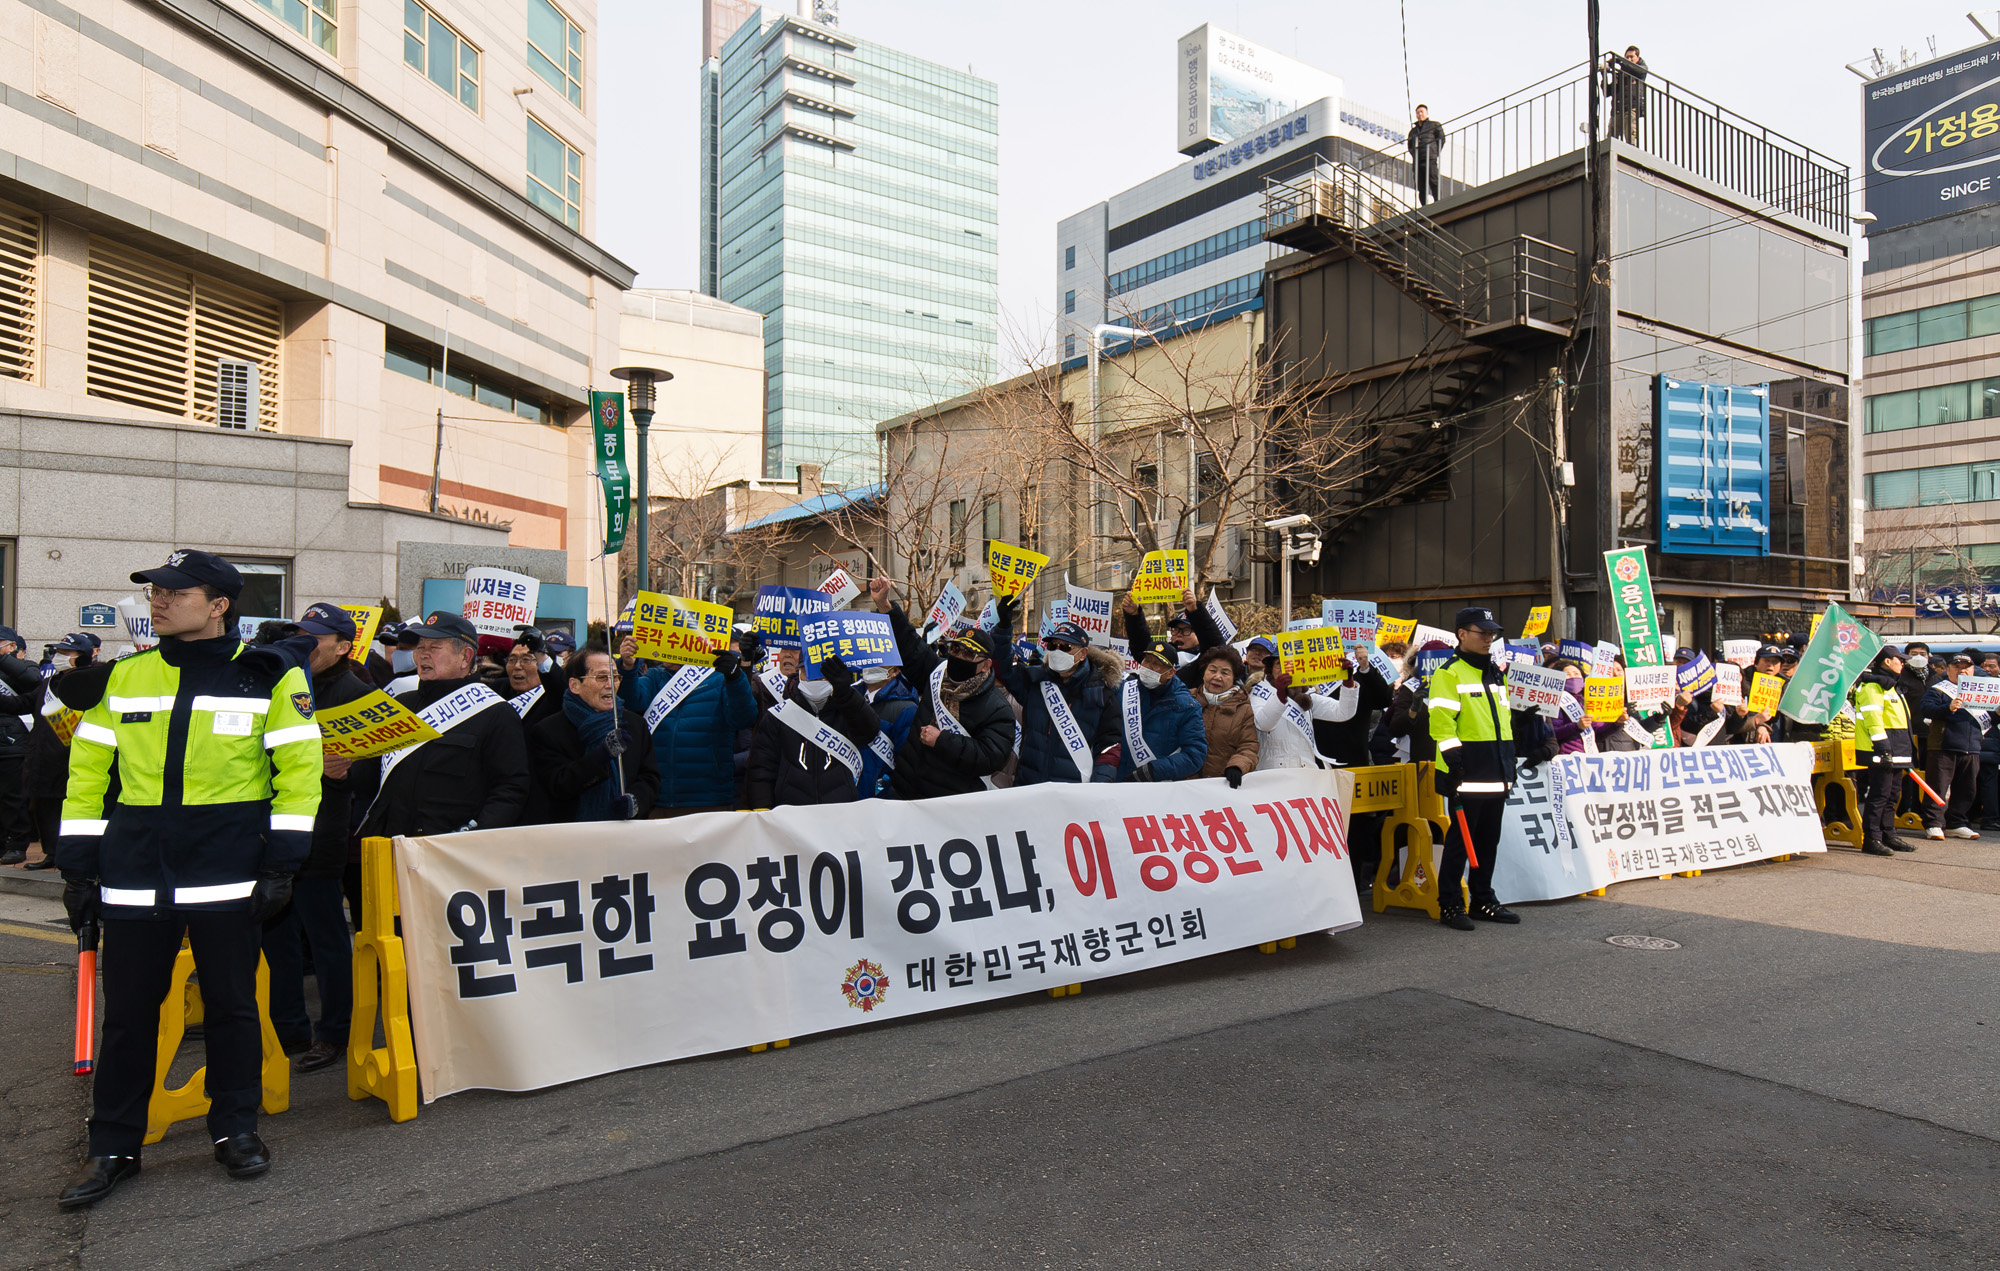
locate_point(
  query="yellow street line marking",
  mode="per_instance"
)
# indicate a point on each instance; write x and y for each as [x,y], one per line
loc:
[35,933]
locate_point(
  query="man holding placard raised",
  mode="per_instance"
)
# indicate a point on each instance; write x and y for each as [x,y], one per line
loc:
[963,731]
[1473,728]
[474,773]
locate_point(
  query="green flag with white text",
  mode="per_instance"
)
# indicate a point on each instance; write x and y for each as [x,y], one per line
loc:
[607,417]
[1632,606]
[1839,651]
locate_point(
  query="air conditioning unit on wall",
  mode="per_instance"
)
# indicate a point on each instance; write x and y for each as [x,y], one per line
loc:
[237,389]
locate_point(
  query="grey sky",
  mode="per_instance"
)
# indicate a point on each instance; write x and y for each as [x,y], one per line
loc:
[1086,90]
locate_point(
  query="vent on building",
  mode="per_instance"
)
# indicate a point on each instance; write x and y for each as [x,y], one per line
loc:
[157,335]
[235,393]
[20,257]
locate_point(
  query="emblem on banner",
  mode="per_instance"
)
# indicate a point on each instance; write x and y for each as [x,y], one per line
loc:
[1628,570]
[303,704]
[864,986]
[1847,636]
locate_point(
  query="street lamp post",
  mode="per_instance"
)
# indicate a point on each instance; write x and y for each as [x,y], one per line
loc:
[639,384]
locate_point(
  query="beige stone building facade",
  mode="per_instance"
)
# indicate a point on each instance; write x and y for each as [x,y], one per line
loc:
[358,221]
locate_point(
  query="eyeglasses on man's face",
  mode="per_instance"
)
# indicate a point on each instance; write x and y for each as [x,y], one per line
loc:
[168,595]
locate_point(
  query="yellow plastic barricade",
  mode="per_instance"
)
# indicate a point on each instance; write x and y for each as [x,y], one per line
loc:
[1406,792]
[180,1011]
[381,977]
[1833,758]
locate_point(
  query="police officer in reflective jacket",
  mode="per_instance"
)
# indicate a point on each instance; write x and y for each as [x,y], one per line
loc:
[1474,733]
[218,762]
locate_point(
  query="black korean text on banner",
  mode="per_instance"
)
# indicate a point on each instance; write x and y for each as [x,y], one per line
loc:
[541,955]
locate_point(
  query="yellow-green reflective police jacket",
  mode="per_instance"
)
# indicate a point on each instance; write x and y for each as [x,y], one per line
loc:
[218,778]
[1473,728]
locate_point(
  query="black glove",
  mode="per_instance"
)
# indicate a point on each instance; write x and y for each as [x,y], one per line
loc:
[625,807]
[1144,772]
[1005,608]
[1234,776]
[728,663]
[751,648]
[269,897]
[81,901]
[835,672]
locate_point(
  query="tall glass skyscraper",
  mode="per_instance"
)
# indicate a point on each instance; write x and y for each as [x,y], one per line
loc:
[850,193]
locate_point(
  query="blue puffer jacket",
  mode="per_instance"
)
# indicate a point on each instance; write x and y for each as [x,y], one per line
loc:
[895,708]
[1170,722]
[695,745]
[1093,700]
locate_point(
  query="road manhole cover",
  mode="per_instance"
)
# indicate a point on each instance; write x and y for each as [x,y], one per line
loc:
[1654,943]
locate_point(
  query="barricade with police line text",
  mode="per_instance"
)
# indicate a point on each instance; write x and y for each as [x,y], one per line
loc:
[181,1010]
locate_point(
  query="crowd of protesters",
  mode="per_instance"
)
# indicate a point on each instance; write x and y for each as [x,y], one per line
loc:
[593,733]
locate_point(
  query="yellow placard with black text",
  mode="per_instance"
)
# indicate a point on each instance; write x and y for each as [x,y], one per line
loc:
[1604,698]
[1011,568]
[1538,621]
[1162,576]
[1393,630]
[367,618]
[371,725]
[1764,693]
[1313,655]
[678,630]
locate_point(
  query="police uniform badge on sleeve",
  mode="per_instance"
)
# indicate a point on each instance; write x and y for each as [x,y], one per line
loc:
[303,704]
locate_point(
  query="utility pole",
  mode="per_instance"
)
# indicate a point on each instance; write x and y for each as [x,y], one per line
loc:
[437,449]
[1561,477]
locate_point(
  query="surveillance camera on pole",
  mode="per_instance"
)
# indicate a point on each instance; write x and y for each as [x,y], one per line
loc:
[1288,522]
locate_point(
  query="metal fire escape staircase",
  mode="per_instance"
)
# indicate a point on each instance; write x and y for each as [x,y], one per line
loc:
[1516,292]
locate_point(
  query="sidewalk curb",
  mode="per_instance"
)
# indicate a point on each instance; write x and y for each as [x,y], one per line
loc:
[46,883]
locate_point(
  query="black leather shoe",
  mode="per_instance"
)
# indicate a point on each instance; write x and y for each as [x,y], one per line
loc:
[243,1155]
[322,1055]
[100,1174]
[43,862]
[16,857]
[1493,911]
[1873,848]
[1898,844]
[1455,920]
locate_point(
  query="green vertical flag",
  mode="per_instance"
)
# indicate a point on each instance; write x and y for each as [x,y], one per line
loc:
[1632,600]
[1839,651]
[607,416]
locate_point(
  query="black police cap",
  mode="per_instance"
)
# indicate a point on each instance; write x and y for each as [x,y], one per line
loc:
[187,568]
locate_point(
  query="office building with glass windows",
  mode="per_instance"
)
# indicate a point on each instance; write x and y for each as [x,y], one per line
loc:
[1930,304]
[851,195]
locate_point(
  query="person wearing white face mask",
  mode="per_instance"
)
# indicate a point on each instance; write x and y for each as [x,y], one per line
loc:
[1163,738]
[402,662]
[807,750]
[1069,705]
[895,705]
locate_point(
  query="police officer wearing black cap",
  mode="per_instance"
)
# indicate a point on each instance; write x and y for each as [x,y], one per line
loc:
[317,918]
[218,764]
[474,775]
[1473,728]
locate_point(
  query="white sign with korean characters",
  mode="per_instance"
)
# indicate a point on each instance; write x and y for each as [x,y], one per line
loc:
[546,954]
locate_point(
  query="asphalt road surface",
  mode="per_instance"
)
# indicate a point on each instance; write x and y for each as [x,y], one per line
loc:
[1808,1081]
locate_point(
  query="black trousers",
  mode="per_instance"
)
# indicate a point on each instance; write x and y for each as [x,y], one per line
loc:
[137,965]
[1483,817]
[1427,176]
[1955,776]
[1878,814]
[17,828]
[315,921]
[46,815]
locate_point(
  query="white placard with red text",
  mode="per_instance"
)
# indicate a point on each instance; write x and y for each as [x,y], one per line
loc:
[547,954]
[498,600]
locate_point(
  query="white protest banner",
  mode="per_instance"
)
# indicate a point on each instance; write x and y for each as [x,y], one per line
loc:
[1649,688]
[1740,652]
[497,601]
[1090,610]
[1535,688]
[989,616]
[1220,617]
[950,604]
[1603,658]
[1424,635]
[138,616]
[1979,693]
[1123,648]
[1538,858]
[246,628]
[1355,618]
[1728,690]
[741,927]
[1652,812]
[838,587]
